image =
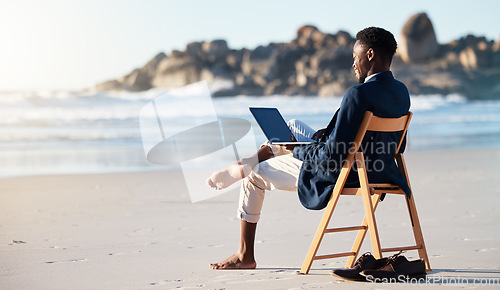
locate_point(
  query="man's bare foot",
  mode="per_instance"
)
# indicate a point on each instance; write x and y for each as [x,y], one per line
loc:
[229,175]
[234,262]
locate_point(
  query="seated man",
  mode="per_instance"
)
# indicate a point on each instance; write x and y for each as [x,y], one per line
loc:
[312,170]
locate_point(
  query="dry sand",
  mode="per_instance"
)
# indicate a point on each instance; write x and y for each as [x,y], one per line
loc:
[140,231]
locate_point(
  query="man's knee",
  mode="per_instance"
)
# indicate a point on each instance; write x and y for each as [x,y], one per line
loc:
[256,180]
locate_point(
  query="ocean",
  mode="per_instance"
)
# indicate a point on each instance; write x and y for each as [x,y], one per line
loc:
[44,133]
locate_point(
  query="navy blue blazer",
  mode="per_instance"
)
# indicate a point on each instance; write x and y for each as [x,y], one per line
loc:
[322,163]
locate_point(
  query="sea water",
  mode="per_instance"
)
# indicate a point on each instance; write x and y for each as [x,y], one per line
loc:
[95,132]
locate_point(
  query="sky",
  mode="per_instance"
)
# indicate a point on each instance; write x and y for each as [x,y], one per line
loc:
[72,45]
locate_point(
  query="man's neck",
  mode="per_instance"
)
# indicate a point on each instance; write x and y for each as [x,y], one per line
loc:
[371,76]
[378,67]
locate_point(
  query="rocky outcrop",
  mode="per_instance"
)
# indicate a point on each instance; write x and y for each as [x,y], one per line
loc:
[318,63]
[138,79]
[418,41]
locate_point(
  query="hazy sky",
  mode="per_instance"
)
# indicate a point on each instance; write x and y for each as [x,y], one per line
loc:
[69,44]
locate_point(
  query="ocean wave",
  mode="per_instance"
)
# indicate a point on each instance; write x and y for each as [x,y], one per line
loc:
[64,108]
[432,102]
[37,128]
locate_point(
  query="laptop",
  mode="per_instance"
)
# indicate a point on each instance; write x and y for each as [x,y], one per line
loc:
[274,126]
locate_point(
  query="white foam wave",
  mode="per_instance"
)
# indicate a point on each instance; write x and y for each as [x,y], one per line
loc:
[90,108]
[106,124]
[431,102]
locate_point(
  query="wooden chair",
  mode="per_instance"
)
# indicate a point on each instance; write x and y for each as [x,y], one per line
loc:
[371,193]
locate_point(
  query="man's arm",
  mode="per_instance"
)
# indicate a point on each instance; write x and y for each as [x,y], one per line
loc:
[341,138]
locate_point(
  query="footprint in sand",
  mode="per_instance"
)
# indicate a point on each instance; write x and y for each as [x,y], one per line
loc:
[14,242]
[487,250]
[142,232]
[166,282]
[57,247]
[124,253]
[69,261]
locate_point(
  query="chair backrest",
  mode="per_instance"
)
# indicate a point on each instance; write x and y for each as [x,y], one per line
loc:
[374,123]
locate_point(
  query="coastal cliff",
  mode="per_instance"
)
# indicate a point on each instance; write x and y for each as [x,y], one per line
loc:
[318,63]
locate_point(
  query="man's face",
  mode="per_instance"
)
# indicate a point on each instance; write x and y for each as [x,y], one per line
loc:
[360,64]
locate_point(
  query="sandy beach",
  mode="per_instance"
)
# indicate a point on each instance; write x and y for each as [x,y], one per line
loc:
[140,230]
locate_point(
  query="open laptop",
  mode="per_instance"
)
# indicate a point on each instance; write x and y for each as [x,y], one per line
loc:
[274,126]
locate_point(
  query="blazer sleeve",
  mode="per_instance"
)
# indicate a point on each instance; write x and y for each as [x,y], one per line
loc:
[336,147]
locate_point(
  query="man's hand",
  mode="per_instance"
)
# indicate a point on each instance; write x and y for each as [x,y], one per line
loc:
[318,134]
[287,148]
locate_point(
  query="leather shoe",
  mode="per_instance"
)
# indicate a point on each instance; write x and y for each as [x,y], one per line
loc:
[397,268]
[366,261]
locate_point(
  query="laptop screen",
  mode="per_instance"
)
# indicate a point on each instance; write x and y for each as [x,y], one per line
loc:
[272,124]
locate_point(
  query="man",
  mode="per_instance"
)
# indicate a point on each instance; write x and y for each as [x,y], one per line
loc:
[314,169]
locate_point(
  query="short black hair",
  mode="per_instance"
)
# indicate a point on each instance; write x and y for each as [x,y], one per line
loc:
[380,40]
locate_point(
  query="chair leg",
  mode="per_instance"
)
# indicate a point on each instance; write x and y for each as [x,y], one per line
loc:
[372,226]
[320,232]
[367,201]
[417,231]
[361,234]
[412,211]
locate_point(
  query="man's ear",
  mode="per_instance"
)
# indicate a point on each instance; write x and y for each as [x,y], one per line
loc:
[370,54]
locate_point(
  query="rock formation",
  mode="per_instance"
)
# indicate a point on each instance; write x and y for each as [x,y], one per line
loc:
[137,80]
[418,41]
[318,63]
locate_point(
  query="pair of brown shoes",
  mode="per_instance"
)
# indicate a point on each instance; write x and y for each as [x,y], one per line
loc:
[393,269]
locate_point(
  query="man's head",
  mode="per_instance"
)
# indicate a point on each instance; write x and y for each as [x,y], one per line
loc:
[373,52]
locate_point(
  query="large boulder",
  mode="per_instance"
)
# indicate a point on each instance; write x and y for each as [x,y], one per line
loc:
[285,61]
[418,41]
[174,72]
[260,64]
[343,38]
[331,89]
[302,70]
[234,58]
[306,36]
[337,86]
[152,65]
[137,80]
[331,59]
[472,59]
[195,51]
[496,45]
[108,85]
[309,38]
[475,52]
[142,79]
[215,50]
[216,72]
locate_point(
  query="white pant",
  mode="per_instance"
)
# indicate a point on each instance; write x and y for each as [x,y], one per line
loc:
[280,172]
